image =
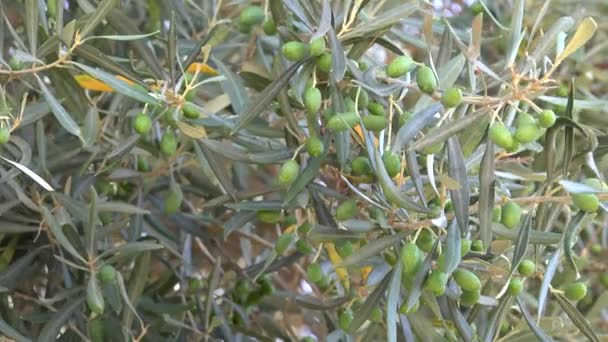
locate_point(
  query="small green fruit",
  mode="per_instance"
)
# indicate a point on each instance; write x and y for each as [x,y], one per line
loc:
[525,119]
[252,15]
[526,268]
[317,46]
[576,291]
[190,111]
[477,8]
[586,202]
[270,27]
[346,210]
[375,108]
[51,8]
[107,274]
[5,135]
[375,123]
[314,273]
[510,214]
[362,100]
[596,249]
[15,64]
[96,330]
[436,282]
[265,283]
[361,166]
[399,66]
[283,242]
[604,279]
[314,146]
[94,298]
[345,249]
[312,100]
[168,144]
[467,280]
[451,97]
[363,66]
[324,63]
[477,246]
[516,285]
[346,317]
[426,80]
[343,121]
[465,247]
[269,216]
[469,298]
[305,228]
[392,163]
[142,164]
[411,257]
[173,202]
[496,214]
[289,172]
[295,51]
[376,315]
[526,133]
[308,339]
[500,135]
[304,247]
[142,123]
[425,240]
[404,118]
[404,310]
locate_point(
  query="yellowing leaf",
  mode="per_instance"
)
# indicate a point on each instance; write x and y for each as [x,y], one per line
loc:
[335,259]
[90,83]
[583,34]
[202,68]
[196,132]
[359,132]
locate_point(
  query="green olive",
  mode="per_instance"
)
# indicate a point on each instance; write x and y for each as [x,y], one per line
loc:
[96,330]
[252,15]
[305,228]
[51,8]
[270,27]
[467,280]
[345,318]
[375,123]
[190,111]
[346,210]
[500,135]
[404,118]
[295,51]
[576,291]
[516,285]
[399,66]
[314,146]
[392,163]
[496,214]
[469,298]
[436,282]
[425,78]
[5,135]
[477,8]
[361,166]
[142,123]
[510,214]
[525,119]
[425,240]
[173,202]
[411,258]
[343,121]
[107,274]
[269,216]
[317,46]
[526,268]
[142,164]
[586,202]
[362,99]
[604,279]
[168,144]
[312,100]
[304,247]
[345,249]
[451,97]
[596,249]
[314,273]
[94,297]
[15,64]
[289,172]
[526,133]
[324,63]
[375,108]
[465,246]
[477,246]
[283,242]
[376,315]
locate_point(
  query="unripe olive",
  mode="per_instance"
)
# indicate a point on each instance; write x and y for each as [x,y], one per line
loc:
[526,268]
[346,210]
[433,149]
[168,144]
[317,46]
[312,100]
[375,123]
[173,202]
[363,66]
[576,291]
[343,121]
[190,95]
[500,135]
[525,119]
[477,246]
[345,249]
[345,318]
[496,214]
[477,8]
[516,285]
[361,166]
[295,51]
[266,286]
[51,8]
[399,66]
[404,310]
[469,298]
[586,202]
[15,64]
[363,99]
[269,27]
[436,282]
[350,105]
[604,279]
[510,214]
[465,247]
[269,216]
[314,273]
[252,15]
[107,274]
[289,172]
[392,163]
[375,108]
[142,123]
[304,247]
[190,111]
[411,258]
[308,339]
[426,80]
[404,118]
[314,146]
[195,284]
[596,249]
[526,133]
[244,28]
[94,298]
[305,228]
[324,63]
[467,280]
[451,97]
[562,91]
[376,315]
[425,240]
[283,242]
[5,135]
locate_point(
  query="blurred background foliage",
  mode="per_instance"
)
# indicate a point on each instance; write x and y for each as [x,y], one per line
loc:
[346,170]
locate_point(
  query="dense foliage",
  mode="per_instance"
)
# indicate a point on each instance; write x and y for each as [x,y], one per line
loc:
[318,170]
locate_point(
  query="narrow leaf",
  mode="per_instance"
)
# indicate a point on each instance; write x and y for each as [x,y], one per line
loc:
[102,10]
[60,113]
[371,249]
[461,196]
[51,329]
[119,85]
[541,335]
[420,120]
[569,235]
[583,34]
[30,174]
[577,318]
